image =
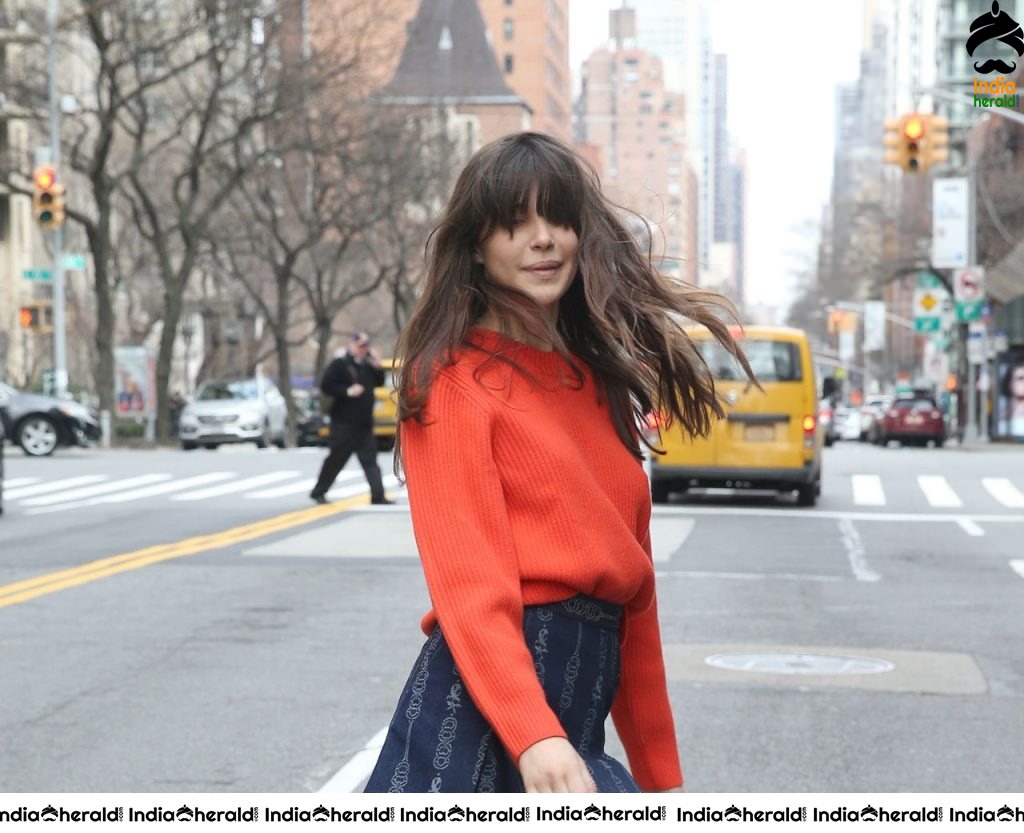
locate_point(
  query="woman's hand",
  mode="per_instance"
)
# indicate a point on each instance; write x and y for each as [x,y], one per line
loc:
[552,765]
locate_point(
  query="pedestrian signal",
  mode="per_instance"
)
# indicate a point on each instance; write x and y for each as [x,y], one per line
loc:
[48,198]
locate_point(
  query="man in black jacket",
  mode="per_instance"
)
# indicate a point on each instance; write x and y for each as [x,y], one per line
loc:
[349,380]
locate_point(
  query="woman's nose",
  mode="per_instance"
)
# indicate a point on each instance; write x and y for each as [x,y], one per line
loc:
[541,236]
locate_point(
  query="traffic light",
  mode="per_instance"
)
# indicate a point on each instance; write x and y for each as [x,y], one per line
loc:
[937,150]
[37,317]
[48,199]
[916,141]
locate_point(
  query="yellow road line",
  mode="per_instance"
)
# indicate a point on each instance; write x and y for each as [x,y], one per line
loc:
[21,591]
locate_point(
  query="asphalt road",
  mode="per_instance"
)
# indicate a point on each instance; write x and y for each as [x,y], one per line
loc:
[191,622]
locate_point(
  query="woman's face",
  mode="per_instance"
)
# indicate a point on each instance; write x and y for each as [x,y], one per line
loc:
[536,258]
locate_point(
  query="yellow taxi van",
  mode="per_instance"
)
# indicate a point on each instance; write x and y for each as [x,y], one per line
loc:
[385,408]
[768,439]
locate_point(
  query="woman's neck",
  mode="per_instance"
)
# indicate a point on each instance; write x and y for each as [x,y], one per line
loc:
[516,332]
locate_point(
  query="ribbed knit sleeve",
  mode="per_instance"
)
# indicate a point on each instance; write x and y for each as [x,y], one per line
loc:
[465,542]
[642,713]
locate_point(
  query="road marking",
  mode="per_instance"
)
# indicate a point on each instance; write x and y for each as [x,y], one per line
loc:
[305,485]
[1018,566]
[855,552]
[100,489]
[238,485]
[14,482]
[344,479]
[746,576]
[42,585]
[356,771]
[1004,491]
[821,514]
[138,494]
[53,485]
[938,491]
[970,527]
[867,490]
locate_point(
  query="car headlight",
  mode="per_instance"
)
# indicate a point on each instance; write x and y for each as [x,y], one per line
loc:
[73,410]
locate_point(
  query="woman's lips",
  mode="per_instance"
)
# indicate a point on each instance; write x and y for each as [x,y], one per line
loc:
[546,268]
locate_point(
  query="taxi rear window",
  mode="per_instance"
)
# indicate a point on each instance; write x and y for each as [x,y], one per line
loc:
[771,361]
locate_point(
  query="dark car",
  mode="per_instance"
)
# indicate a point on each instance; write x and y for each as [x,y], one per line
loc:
[313,426]
[912,419]
[39,424]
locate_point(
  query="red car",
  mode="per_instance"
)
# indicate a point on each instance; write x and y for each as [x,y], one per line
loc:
[912,419]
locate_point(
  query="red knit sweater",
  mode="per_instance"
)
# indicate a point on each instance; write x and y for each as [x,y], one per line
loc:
[523,496]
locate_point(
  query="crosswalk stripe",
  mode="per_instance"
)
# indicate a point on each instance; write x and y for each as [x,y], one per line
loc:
[100,489]
[53,486]
[14,482]
[867,490]
[166,488]
[238,485]
[1004,491]
[300,487]
[938,491]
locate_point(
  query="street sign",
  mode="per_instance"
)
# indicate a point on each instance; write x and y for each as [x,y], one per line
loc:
[969,291]
[49,380]
[976,336]
[37,274]
[73,261]
[928,305]
[950,212]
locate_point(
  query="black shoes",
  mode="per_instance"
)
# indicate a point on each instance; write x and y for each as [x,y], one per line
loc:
[383,502]
[321,499]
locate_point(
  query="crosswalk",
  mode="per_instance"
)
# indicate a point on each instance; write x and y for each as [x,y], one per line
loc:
[36,495]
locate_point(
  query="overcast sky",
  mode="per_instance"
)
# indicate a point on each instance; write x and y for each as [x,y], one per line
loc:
[785,59]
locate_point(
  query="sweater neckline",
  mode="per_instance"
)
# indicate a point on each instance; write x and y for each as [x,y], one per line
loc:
[524,354]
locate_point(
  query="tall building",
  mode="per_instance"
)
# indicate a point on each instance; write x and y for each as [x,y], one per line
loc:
[639,128]
[530,39]
[679,33]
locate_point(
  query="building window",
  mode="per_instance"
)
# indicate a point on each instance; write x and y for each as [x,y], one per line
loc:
[509,28]
[508,63]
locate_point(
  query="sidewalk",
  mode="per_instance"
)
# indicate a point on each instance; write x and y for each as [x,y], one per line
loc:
[992,445]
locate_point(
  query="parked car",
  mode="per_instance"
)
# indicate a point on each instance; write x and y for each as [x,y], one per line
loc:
[40,424]
[912,419]
[385,408]
[234,411]
[313,426]
[768,439]
[870,414]
[846,423]
[826,412]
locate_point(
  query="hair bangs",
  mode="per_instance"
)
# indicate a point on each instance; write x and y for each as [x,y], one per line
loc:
[523,169]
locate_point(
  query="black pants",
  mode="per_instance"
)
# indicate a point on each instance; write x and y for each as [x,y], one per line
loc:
[344,440]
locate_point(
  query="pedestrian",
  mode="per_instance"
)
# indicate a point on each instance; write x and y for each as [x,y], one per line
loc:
[349,380]
[542,335]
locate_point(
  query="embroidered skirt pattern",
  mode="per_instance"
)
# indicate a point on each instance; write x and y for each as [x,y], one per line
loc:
[438,741]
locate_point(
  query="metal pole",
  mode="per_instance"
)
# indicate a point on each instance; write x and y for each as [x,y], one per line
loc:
[971,429]
[60,370]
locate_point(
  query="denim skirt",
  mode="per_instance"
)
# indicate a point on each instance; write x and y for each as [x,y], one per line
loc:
[439,742]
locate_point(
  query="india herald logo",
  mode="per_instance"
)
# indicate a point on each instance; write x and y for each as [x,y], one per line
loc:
[995,25]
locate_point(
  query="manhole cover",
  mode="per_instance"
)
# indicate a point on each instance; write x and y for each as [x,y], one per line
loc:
[799,664]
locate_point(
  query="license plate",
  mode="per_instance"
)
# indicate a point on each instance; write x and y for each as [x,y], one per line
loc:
[759,433]
[913,419]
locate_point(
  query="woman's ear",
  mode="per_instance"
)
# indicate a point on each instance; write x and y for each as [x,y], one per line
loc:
[477,257]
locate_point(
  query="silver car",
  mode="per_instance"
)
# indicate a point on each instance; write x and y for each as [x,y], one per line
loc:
[234,411]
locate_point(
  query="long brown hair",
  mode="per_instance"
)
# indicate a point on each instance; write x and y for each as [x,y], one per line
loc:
[619,315]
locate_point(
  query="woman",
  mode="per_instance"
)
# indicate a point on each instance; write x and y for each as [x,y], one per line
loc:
[1011,392]
[541,336]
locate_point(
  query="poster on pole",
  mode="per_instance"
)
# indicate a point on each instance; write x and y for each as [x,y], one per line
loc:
[950,209]
[135,381]
[1010,394]
[874,326]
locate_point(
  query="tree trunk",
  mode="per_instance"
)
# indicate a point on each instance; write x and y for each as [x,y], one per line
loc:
[173,292]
